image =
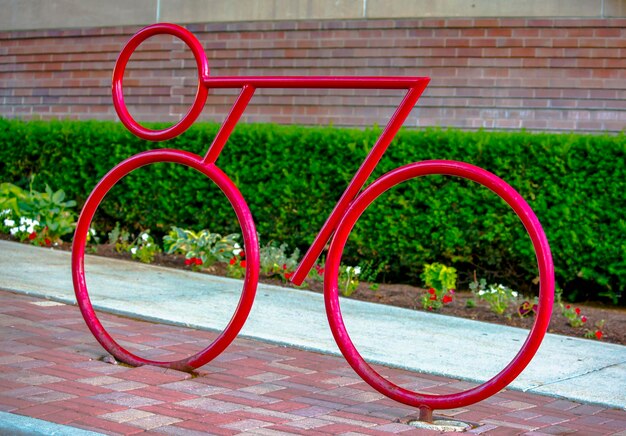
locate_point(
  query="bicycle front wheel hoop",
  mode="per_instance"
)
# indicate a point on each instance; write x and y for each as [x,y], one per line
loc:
[546,290]
[244,217]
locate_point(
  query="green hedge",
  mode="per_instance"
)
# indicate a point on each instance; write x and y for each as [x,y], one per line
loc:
[292,177]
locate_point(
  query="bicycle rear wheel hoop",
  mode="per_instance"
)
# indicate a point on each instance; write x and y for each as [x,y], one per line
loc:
[546,292]
[244,217]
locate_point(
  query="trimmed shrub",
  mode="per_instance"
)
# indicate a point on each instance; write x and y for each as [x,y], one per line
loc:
[292,176]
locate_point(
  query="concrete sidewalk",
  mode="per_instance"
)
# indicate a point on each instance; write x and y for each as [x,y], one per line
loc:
[581,370]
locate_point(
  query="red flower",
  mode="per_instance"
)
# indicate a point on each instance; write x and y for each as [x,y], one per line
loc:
[568,306]
[284,266]
[233,261]
[197,261]
[320,270]
[431,291]
[32,236]
[242,264]
[242,254]
[188,261]
[433,297]
[583,319]
[288,275]
[48,242]
[598,334]
[524,309]
[446,299]
[577,310]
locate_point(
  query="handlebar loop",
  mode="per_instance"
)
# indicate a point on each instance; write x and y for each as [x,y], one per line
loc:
[118,78]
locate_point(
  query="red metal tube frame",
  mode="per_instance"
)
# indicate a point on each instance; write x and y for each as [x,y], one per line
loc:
[340,222]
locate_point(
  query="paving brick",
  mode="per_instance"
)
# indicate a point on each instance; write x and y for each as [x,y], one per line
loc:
[124,386]
[77,389]
[561,405]
[309,423]
[126,415]
[153,421]
[174,410]
[212,405]
[103,426]
[194,387]
[247,398]
[284,391]
[246,425]
[125,399]
[179,431]
[155,376]
[102,380]
[39,410]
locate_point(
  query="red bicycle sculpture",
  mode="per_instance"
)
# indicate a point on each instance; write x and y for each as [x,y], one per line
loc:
[336,229]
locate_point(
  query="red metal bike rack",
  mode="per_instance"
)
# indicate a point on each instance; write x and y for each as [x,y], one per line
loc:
[336,229]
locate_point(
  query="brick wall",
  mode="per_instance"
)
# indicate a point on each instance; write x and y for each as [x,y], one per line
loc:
[538,74]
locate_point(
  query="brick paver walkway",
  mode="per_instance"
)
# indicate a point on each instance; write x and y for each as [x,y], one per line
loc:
[51,368]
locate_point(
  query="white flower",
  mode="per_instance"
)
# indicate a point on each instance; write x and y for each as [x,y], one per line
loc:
[237,245]
[145,236]
[348,269]
[22,228]
[92,232]
[481,292]
[14,230]
[30,229]
[5,212]
[236,251]
[24,220]
[34,222]
[357,270]
[133,250]
[514,294]
[9,223]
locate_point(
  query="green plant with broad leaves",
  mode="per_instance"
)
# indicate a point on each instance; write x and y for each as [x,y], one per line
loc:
[144,248]
[348,280]
[204,247]
[441,282]
[499,297]
[275,261]
[41,217]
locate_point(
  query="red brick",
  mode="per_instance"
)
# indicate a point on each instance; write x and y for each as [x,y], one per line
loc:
[73,60]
